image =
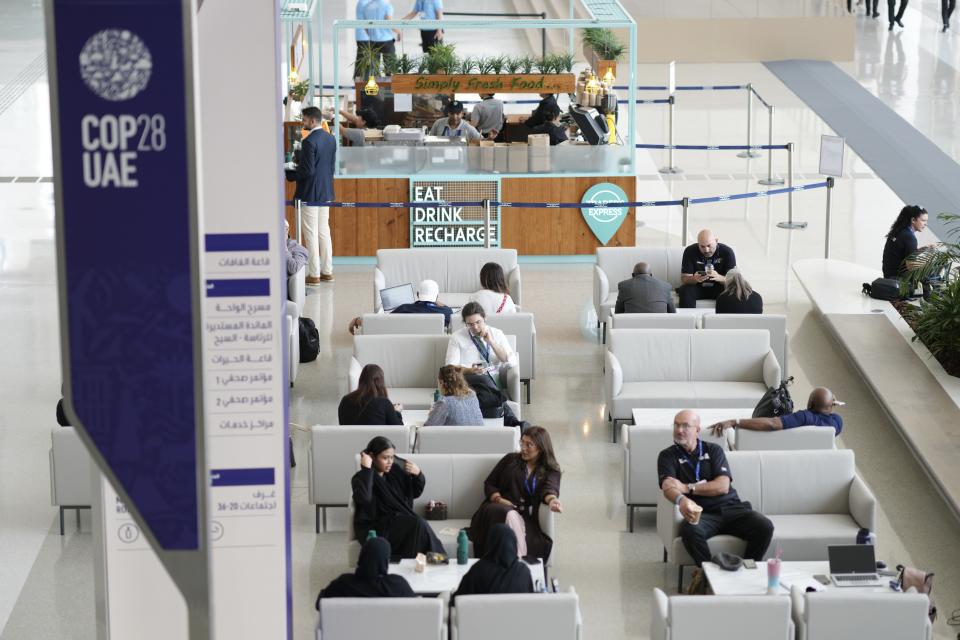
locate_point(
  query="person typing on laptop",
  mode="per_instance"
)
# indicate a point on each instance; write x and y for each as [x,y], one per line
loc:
[695,476]
[426,302]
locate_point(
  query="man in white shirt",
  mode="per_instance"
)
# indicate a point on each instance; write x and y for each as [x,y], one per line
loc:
[454,126]
[477,345]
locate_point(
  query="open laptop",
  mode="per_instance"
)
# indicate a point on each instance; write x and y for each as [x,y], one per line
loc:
[393,297]
[853,565]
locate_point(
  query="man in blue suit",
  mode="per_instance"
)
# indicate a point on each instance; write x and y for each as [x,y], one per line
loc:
[314,176]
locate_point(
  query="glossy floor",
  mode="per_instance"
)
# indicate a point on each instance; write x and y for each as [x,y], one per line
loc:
[46,590]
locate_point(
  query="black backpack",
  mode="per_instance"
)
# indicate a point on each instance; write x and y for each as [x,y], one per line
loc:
[883,289]
[490,397]
[309,340]
[775,402]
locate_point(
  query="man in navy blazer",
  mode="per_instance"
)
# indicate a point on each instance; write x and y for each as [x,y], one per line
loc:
[314,176]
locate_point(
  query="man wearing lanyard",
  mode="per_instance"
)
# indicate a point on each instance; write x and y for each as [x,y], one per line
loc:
[478,345]
[695,474]
[428,10]
[454,126]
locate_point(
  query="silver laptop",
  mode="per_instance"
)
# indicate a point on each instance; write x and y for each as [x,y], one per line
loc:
[853,565]
[393,297]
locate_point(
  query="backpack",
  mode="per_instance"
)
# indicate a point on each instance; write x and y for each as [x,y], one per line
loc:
[775,402]
[490,397]
[883,289]
[309,340]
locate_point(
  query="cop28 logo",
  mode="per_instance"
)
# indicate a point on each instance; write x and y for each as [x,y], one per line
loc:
[604,221]
[115,64]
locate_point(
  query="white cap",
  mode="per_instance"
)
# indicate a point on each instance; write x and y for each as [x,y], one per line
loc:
[428,290]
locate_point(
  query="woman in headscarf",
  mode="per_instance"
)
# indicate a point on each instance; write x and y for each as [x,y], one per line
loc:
[371,579]
[499,570]
[383,494]
[517,488]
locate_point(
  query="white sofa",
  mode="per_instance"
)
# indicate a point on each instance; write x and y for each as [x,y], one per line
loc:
[841,614]
[520,325]
[785,440]
[832,506]
[686,368]
[410,365]
[467,440]
[457,480]
[653,321]
[776,324]
[71,469]
[397,618]
[641,447]
[721,618]
[456,270]
[377,324]
[331,461]
[517,616]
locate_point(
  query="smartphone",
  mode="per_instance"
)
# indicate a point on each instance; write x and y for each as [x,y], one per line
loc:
[749,563]
[555,585]
[822,579]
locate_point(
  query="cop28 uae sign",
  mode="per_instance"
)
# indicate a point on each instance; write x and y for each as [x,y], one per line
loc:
[604,221]
[122,111]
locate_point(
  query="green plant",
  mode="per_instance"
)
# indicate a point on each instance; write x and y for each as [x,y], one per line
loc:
[936,321]
[563,63]
[545,64]
[512,64]
[391,65]
[299,90]
[485,65]
[497,63]
[442,58]
[467,65]
[604,43]
[406,64]
[527,63]
[368,61]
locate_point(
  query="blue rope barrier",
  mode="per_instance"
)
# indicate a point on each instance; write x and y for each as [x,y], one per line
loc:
[565,205]
[657,101]
[716,147]
[688,87]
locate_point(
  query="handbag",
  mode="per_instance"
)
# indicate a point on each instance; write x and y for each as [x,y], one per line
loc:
[883,289]
[921,582]
[436,510]
[775,402]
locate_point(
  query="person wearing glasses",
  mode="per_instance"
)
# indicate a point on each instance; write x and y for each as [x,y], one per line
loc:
[695,476]
[518,487]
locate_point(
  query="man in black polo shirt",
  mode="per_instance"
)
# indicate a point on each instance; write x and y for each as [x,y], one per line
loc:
[693,471]
[819,413]
[703,268]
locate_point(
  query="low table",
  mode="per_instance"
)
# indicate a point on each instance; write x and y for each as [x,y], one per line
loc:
[658,417]
[418,416]
[752,582]
[446,577]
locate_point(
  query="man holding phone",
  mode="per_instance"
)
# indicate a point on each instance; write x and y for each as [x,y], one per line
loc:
[703,268]
[478,346]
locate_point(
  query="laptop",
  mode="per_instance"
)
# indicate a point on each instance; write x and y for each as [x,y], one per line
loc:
[853,565]
[393,297]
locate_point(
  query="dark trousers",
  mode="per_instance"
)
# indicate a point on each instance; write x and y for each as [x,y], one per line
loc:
[946,10]
[871,6]
[690,293]
[428,38]
[738,520]
[894,17]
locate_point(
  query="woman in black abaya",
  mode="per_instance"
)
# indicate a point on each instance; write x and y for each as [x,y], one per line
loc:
[383,494]
[499,570]
[371,579]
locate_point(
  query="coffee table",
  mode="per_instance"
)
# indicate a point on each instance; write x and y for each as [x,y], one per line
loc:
[657,417]
[752,582]
[419,416]
[438,578]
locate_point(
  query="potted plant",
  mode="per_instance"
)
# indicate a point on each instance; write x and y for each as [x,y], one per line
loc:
[441,58]
[936,321]
[298,91]
[602,49]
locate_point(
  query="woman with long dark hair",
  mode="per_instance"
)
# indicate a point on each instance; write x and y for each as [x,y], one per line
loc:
[368,403]
[494,295]
[383,493]
[517,488]
[902,240]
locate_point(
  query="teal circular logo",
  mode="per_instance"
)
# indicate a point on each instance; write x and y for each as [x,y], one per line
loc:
[602,193]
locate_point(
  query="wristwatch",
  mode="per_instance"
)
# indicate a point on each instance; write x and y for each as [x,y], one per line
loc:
[691,487]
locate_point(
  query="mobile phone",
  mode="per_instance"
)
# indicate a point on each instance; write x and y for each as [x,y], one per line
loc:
[555,585]
[749,563]
[822,579]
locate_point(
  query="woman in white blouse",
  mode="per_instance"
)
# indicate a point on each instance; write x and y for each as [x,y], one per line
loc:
[494,296]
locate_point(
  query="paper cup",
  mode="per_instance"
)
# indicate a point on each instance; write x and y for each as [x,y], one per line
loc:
[695,510]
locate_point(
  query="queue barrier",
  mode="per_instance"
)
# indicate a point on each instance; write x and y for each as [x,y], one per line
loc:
[685,203]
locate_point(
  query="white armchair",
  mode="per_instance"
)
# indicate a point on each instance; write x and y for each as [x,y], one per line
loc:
[500,440]
[843,613]
[70,472]
[375,324]
[775,324]
[404,618]
[721,618]
[517,616]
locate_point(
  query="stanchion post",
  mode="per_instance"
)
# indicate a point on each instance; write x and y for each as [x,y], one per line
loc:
[749,153]
[670,168]
[790,224]
[486,224]
[826,241]
[770,179]
[298,220]
[685,203]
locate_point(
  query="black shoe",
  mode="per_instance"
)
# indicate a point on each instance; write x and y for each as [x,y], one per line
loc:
[890,28]
[945,27]
[875,14]
[900,24]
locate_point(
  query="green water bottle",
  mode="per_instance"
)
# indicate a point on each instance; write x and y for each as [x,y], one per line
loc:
[371,534]
[463,545]
[436,395]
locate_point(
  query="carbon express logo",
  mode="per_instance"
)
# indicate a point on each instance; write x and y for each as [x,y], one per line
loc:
[605,214]
[115,64]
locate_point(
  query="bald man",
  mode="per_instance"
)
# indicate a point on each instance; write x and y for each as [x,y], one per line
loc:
[819,413]
[694,472]
[703,268]
[643,293]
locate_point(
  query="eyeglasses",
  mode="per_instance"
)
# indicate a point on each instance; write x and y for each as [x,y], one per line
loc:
[683,425]
[527,445]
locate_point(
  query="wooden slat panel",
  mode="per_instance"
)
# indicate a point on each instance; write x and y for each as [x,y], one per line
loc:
[360,232]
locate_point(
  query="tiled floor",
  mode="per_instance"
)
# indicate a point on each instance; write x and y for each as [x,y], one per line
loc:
[46,589]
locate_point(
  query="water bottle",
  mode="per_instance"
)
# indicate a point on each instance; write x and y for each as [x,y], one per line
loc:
[462,547]
[436,395]
[371,534]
